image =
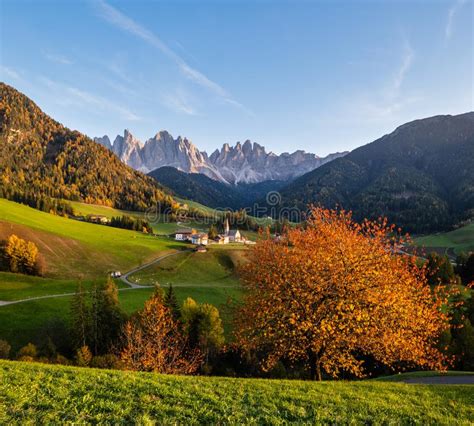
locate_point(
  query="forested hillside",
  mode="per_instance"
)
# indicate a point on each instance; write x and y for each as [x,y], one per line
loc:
[421,176]
[40,159]
[212,193]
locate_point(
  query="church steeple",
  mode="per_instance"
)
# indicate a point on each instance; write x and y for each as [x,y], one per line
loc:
[226,226]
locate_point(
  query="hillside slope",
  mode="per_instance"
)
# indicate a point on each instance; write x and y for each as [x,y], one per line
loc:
[421,176]
[50,394]
[40,158]
[210,192]
[74,249]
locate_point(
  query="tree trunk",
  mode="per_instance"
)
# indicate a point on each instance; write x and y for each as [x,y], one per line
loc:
[319,376]
[314,366]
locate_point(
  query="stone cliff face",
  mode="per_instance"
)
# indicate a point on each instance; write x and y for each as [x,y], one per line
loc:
[242,163]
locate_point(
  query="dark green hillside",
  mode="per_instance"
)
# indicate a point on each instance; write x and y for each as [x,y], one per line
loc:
[41,159]
[421,176]
[207,191]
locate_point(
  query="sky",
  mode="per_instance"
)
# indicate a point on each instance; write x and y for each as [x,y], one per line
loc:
[321,76]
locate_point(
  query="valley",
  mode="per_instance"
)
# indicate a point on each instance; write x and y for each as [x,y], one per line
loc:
[76,251]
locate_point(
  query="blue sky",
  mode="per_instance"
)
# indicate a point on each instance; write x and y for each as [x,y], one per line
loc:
[322,76]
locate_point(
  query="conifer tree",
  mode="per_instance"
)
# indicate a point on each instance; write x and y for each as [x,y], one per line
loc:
[171,302]
[80,317]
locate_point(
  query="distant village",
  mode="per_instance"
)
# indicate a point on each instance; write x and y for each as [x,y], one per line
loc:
[202,239]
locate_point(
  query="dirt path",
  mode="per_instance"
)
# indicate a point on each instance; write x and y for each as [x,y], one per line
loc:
[442,380]
[124,278]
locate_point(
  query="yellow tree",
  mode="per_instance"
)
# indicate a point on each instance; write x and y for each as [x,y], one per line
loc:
[334,292]
[153,341]
[21,255]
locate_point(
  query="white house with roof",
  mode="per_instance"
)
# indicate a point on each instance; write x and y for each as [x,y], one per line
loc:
[202,239]
[235,236]
[184,234]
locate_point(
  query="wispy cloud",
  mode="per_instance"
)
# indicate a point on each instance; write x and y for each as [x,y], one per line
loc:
[448,31]
[407,60]
[180,101]
[385,104]
[120,20]
[9,72]
[59,59]
[71,95]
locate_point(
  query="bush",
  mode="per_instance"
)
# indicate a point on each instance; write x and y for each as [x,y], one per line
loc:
[108,361]
[83,356]
[4,349]
[27,353]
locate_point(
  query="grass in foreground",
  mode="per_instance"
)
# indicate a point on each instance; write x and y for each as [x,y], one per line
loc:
[35,393]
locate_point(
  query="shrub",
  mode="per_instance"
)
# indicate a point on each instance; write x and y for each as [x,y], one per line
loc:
[109,361]
[4,349]
[27,353]
[83,356]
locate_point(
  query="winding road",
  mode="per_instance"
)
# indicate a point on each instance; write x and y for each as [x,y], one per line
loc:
[124,278]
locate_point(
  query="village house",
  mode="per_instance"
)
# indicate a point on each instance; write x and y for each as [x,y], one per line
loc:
[184,234]
[202,239]
[96,218]
[222,239]
[234,236]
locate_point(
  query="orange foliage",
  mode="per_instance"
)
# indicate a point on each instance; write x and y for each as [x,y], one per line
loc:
[153,342]
[336,291]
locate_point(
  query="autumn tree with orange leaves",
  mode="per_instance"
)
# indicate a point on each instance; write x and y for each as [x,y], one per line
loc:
[336,291]
[153,341]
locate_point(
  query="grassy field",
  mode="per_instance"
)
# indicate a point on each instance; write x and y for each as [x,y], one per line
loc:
[450,243]
[215,268]
[160,224]
[74,249]
[35,393]
[19,287]
[21,323]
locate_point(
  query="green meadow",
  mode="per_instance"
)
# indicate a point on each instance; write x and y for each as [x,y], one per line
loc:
[453,242]
[49,394]
[215,268]
[20,323]
[75,249]
[78,251]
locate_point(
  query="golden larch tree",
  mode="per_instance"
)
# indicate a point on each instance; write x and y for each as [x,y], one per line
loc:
[335,292]
[153,341]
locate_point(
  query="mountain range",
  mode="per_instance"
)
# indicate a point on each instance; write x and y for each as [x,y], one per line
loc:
[243,163]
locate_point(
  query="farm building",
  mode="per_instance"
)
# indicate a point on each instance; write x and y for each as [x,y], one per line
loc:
[200,239]
[184,234]
[98,219]
[222,239]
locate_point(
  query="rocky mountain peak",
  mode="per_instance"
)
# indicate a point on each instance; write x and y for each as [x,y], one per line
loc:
[248,162]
